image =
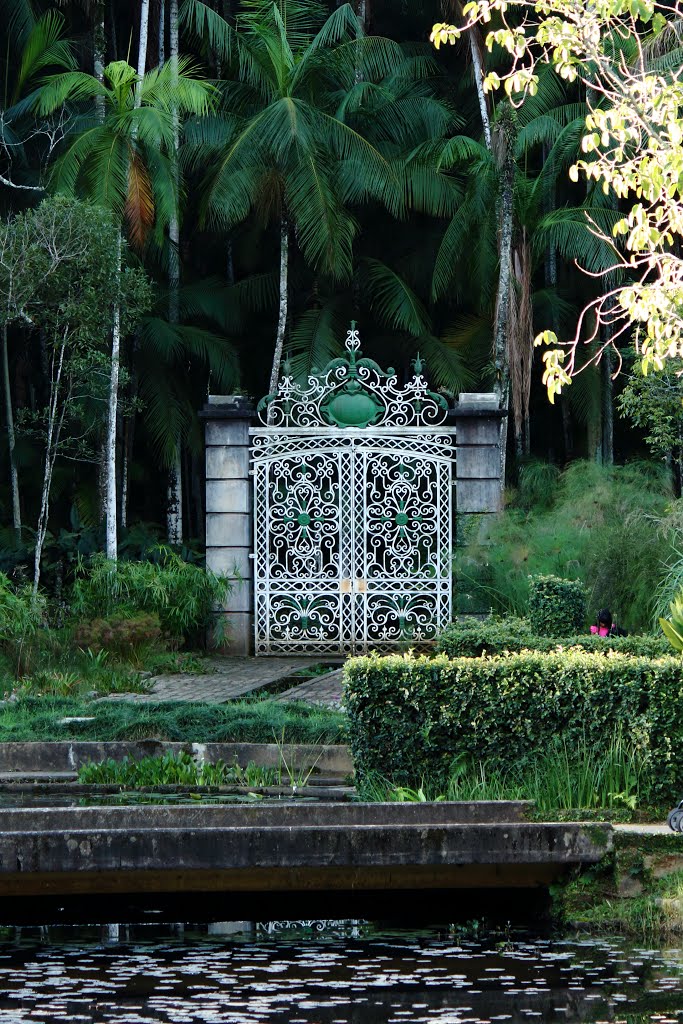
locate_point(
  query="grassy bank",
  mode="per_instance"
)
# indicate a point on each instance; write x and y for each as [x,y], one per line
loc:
[638,890]
[247,721]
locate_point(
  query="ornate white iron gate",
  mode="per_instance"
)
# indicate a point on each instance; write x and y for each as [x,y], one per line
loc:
[353,520]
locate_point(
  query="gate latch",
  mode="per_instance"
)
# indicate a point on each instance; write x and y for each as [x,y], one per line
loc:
[354,586]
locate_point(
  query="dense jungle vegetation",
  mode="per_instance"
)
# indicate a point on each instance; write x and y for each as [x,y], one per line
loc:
[192,192]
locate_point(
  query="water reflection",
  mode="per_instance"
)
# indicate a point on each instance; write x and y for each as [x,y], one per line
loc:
[343,974]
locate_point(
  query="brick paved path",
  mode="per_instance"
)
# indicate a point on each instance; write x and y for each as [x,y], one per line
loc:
[326,689]
[227,678]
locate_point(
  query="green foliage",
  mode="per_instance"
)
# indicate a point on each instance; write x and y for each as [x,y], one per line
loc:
[654,402]
[560,778]
[537,483]
[556,606]
[21,616]
[181,594]
[411,718]
[255,721]
[494,636]
[126,638]
[673,627]
[606,527]
[174,770]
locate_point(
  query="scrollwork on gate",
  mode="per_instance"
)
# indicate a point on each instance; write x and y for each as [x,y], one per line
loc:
[352,511]
[353,391]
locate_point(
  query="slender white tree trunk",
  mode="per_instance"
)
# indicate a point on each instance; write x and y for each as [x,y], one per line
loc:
[174,505]
[174,500]
[142,46]
[125,473]
[479,83]
[14,476]
[99,44]
[282,315]
[110,444]
[54,426]
[506,160]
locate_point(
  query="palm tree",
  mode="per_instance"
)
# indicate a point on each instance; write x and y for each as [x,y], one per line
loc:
[122,161]
[285,147]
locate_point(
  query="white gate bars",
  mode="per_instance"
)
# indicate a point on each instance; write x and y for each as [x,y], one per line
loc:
[353,512]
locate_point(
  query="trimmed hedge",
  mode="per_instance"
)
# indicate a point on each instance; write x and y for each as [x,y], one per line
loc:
[409,717]
[497,636]
[557,607]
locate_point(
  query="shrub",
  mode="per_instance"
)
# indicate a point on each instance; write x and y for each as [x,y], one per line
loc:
[557,607]
[20,618]
[613,527]
[125,638]
[495,636]
[181,594]
[409,718]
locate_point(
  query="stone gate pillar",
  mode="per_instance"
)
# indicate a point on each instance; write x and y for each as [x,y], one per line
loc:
[478,467]
[229,512]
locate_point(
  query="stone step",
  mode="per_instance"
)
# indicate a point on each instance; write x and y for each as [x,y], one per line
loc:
[69,755]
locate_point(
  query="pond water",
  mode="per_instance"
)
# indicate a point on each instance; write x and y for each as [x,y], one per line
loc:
[331,973]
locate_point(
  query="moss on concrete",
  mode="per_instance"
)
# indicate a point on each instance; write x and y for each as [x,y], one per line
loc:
[637,889]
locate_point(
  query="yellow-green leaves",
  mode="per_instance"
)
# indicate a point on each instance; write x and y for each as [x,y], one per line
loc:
[632,148]
[443,33]
[673,627]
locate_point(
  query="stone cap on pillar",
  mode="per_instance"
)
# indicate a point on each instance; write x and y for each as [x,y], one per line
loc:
[477,404]
[228,407]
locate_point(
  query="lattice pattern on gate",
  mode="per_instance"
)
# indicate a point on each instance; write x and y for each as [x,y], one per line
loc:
[353,512]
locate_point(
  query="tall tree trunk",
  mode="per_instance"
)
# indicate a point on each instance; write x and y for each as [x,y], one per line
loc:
[14,476]
[174,500]
[174,513]
[282,314]
[607,392]
[504,147]
[142,45]
[99,52]
[129,425]
[197,490]
[478,66]
[110,23]
[162,32]
[110,445]
[55,420]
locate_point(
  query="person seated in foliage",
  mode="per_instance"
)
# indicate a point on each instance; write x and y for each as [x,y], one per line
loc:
[605,626]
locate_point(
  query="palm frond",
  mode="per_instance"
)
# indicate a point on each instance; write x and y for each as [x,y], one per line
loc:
[44,48]
[569,231]
[448,363]
[176,86]
[204,23]
[139,205]
[18,18]
[392,299]
[70,86]
[339,26]
[325,229]
[300,19]
[462,149]
[467,229]
[315,340]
